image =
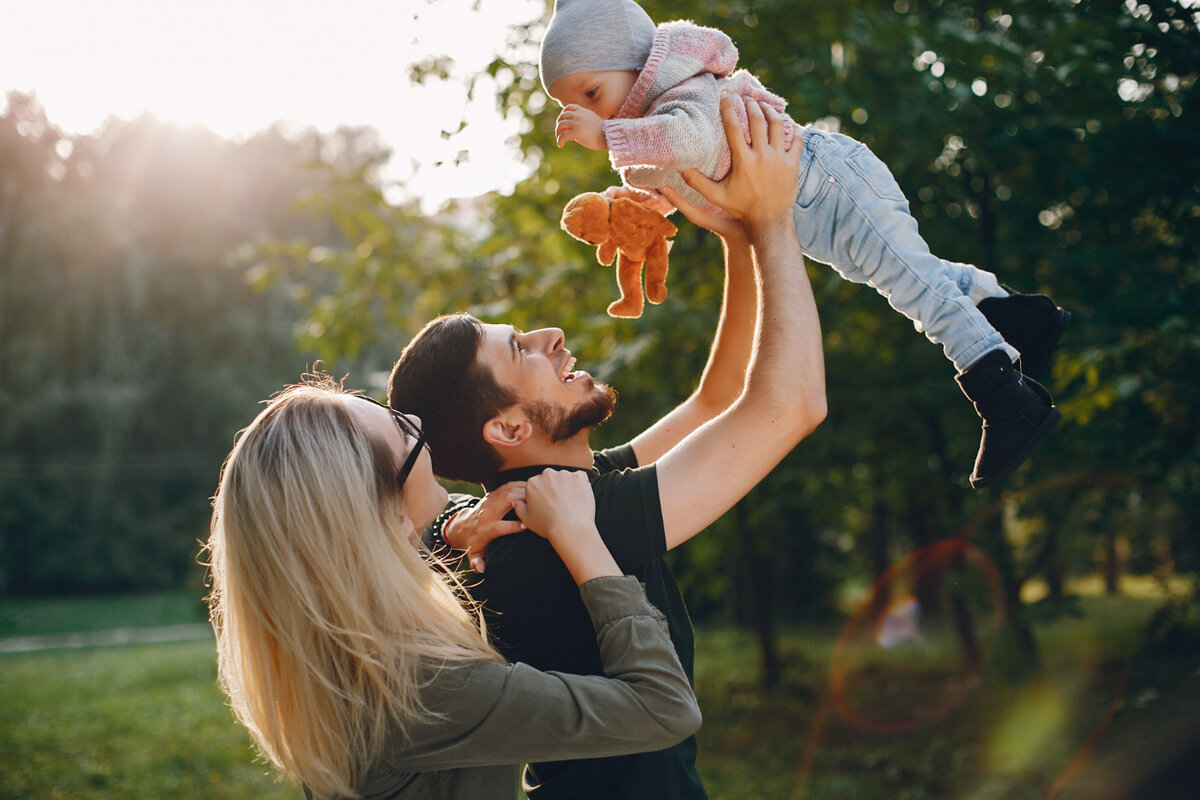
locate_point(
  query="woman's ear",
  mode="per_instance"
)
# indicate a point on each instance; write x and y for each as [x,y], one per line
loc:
[510,428]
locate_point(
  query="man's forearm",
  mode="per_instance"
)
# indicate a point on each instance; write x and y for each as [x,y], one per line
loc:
[784,398]
[788,366]
[724,375]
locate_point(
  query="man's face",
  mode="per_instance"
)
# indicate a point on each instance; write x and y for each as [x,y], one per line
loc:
[600,92]
[539,370]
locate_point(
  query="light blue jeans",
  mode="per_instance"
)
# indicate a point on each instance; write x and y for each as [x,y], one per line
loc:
[851,215]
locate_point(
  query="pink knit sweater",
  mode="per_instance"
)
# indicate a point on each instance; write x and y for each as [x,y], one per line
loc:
[671,120]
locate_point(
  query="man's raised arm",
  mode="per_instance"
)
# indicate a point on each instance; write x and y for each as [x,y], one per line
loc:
[724,375]
[784,396]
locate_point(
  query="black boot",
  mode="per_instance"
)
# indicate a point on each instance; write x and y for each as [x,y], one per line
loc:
[1017,414]
[1031,323]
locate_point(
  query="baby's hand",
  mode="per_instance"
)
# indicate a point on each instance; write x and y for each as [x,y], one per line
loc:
[578,124]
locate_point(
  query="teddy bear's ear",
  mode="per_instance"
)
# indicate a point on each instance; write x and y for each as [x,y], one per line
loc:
[585,217]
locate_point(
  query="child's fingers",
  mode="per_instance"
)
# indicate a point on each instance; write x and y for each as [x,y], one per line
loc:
[563,133]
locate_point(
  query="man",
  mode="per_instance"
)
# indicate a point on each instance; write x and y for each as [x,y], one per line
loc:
[500,405]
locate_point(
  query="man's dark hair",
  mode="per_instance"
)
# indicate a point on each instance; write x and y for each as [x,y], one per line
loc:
[439,378]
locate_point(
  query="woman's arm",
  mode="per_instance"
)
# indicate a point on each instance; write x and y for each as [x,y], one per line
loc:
[490,713]
[493,714]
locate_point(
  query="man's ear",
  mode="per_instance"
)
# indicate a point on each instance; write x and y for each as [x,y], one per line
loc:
[510,428]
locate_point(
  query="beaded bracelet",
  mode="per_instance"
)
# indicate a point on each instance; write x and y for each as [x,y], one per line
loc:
[438,526]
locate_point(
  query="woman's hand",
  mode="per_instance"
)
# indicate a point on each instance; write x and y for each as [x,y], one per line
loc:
[559,506]
[473,529]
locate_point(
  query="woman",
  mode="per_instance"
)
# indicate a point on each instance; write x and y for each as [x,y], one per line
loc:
[350,656]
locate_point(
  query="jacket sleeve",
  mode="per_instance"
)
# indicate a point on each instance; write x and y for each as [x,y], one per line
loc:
[490,713]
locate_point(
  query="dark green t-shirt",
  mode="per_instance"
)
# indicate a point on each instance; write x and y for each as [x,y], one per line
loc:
[535,614]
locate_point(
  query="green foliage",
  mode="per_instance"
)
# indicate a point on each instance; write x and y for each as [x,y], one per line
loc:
[130,350]
[1175,628]
[1042,140]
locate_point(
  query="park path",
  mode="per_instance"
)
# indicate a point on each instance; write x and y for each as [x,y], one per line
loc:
[69,641]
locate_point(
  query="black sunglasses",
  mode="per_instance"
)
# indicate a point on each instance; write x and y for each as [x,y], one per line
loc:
[408,431]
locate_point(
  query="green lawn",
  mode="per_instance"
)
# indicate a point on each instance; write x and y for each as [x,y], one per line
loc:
[139,721]
[34,616]
[148,721]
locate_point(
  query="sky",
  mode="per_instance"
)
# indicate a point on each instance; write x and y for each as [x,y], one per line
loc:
[237,66]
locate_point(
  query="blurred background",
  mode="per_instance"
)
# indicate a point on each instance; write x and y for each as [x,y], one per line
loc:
[201,201]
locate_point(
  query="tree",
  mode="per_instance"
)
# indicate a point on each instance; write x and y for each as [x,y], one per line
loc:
[1042,139]
[130,350]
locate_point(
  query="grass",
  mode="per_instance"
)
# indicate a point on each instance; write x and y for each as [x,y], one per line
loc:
[33,616]
[148,721]
[139,721]
[1005,734]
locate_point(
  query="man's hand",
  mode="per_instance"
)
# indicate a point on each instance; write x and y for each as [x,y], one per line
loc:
[760,189]
[783,393]
[728,228]
[652,200]
[578,124]
[474,528]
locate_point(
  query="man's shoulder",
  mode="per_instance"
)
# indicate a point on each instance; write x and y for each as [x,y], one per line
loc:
[614,458]
[622,480]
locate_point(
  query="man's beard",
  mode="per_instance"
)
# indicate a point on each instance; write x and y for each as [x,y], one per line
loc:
[561,424]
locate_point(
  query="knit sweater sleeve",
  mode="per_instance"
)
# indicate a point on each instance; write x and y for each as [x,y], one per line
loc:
[681,131]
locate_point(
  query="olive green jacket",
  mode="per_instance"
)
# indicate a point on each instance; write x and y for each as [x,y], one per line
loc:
[491,718]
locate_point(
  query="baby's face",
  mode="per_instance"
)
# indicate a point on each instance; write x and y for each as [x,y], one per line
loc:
[600,92]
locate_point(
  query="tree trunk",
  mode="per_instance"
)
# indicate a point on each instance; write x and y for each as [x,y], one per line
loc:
[1024,656]
[1112,565]
[964,623]
[757,564]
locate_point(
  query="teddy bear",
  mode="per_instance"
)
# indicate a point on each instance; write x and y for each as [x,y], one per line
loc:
[631,231]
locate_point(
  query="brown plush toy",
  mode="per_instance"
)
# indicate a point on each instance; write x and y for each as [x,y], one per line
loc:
[631,231]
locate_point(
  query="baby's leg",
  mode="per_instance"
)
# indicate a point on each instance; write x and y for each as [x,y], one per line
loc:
[975,283]
[858,222]
[851,214]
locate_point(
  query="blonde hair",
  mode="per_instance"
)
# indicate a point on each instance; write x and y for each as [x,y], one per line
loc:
[323,610]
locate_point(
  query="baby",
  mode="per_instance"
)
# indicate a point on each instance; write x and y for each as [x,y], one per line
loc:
[650,96]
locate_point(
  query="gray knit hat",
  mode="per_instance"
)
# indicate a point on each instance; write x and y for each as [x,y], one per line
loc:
[595,36]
